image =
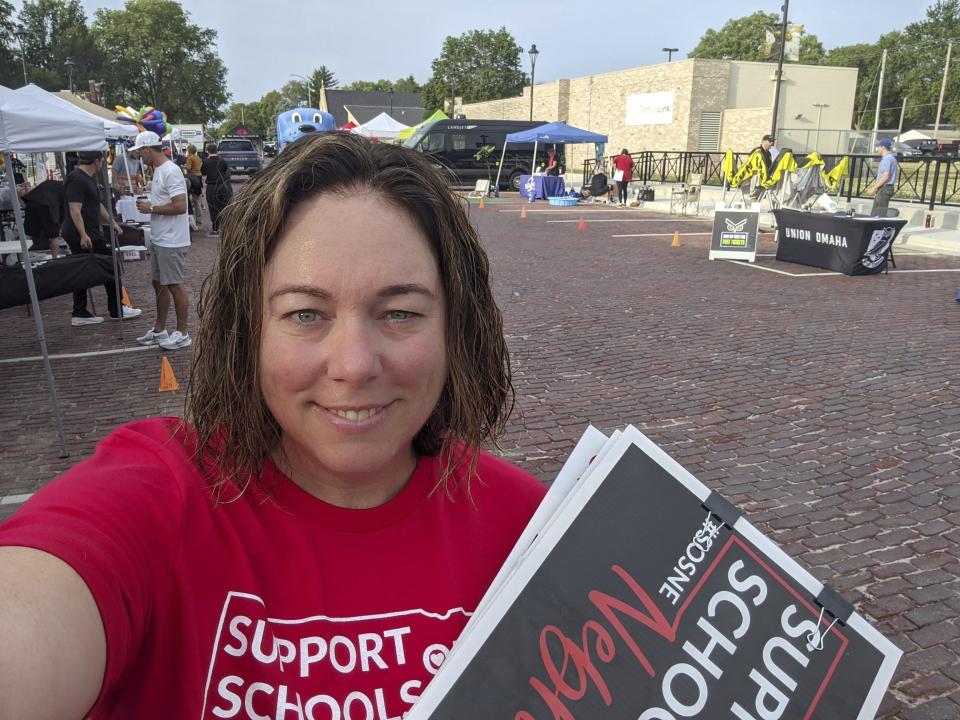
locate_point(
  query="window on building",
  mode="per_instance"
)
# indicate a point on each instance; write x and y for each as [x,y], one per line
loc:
[709,140]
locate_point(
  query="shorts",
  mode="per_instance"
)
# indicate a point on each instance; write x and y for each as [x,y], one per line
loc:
[166,264]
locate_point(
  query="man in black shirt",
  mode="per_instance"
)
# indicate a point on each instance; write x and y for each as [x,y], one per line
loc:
[82,232]
[219,190]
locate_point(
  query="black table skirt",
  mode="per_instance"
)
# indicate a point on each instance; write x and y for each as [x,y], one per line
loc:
[56,277]
[851,245]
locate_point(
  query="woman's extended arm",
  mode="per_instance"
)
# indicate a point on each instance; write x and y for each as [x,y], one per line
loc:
[52,642]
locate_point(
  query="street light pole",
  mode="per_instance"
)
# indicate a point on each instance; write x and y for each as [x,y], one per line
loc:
[20,31]
[819,107]
[783,49]
[390,93]
[69,64]
[307,83]
[670,52]
[533,53]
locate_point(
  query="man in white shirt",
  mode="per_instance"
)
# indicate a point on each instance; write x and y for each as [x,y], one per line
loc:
[169,240]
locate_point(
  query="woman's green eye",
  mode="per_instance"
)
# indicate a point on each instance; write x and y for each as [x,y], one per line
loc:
[306,316]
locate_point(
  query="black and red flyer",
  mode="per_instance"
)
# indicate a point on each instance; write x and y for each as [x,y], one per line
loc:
[637,593]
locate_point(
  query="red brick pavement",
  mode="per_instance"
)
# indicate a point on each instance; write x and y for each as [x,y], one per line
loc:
[826,407]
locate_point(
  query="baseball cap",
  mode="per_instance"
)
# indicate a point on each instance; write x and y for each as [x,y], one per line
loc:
[88,157]
[884,143]
[146,139]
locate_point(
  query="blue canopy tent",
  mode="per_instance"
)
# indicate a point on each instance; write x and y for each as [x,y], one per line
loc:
[555,132]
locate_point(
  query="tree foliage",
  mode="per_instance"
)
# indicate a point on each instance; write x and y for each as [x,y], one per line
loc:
[56,30]
[407,84]
[11,74]
[154,55]
[478,65]
[745,39]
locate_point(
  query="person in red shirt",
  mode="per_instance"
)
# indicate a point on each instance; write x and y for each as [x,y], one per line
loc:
[312,537]
[623,165]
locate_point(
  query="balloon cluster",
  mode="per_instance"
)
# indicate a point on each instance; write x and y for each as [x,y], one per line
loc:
[146,118]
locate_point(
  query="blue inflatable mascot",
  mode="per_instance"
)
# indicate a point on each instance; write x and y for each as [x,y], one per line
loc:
[296,123]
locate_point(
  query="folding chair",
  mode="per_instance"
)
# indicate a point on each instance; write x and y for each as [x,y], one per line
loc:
[686,195]
[889,212]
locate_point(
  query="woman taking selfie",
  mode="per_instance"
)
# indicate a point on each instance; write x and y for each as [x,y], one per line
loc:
[312,537]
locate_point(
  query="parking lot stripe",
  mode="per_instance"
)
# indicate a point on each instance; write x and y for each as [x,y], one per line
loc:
[15,499]
[661,234]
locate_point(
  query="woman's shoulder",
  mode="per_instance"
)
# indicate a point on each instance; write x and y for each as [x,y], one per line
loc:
[502,476]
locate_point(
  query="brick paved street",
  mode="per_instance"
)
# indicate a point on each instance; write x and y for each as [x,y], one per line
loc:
[826,407]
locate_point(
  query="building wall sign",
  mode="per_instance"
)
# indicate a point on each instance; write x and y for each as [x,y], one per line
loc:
[650,109]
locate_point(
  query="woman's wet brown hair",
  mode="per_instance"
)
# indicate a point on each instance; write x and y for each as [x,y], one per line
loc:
[235,430]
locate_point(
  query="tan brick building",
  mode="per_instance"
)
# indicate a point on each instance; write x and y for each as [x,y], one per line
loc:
[694,105]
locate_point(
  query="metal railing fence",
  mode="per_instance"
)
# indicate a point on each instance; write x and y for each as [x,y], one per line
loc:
[926,180]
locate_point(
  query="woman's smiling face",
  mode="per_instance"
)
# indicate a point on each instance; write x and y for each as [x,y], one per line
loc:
[352,355]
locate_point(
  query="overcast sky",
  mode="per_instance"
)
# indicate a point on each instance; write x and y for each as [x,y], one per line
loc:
[263,41]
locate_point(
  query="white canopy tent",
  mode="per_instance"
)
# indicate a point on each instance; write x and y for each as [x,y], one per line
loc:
[30,122]
[382,126]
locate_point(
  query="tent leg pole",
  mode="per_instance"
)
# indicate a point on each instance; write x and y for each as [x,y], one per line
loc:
[500,167]
[35,304]
[533,163]
[105,197]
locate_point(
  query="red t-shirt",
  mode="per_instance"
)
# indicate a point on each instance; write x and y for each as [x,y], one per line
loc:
[625,163]
[274,605]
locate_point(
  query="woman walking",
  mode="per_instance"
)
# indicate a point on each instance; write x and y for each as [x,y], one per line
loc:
[623,165]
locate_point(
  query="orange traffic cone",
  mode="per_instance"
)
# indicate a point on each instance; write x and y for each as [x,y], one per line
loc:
[168,381]
[523,212]
[676,239]
[582,225]
[125,299]
[481,202]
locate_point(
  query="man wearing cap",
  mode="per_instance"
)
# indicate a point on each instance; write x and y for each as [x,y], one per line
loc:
[169,240]
[82,230]
[767,153]
[886,180]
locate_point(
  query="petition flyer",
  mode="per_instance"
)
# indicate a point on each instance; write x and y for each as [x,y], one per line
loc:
[638,601]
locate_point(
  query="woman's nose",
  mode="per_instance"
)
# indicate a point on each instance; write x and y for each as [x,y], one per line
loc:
[354,351]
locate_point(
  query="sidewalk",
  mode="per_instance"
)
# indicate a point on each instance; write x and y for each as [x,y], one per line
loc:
[935,230]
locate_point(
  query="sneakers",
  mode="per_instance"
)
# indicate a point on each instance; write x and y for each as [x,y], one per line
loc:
[152,337]
[127,313]
[88,318]
[213,233]
[176,341]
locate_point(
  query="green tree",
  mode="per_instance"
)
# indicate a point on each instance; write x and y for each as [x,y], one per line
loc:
[323,77]
[370,85]
[57,33]
[155,56]
[745,39]
[407,84]
[866,58]
[479,65]
[11,71]
[919,63]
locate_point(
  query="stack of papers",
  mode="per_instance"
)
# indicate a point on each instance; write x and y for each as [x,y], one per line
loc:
[636,593]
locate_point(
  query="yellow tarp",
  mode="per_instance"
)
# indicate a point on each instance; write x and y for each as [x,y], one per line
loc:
[786,162]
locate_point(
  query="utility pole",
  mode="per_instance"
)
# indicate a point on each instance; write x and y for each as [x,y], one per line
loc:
[903,110]
[819,107]
[783,48]
[943,89]
[876,115]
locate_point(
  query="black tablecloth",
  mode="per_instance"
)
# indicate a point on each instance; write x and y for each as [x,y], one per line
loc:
[56,277]
[855,245]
